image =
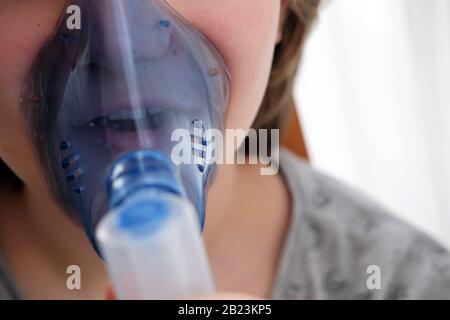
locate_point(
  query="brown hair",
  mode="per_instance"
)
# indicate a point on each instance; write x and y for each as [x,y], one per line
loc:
[278,98]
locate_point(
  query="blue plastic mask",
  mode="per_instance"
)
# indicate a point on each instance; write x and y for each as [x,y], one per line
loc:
[133,73]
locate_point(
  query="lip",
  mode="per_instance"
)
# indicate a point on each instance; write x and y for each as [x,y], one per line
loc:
[90,115]
[120,132]
[117,141]
[124,141]
[151,105]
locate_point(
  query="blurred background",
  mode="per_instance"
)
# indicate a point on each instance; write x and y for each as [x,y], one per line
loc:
[373,97]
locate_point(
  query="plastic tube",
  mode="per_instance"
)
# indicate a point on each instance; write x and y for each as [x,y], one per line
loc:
[151,239]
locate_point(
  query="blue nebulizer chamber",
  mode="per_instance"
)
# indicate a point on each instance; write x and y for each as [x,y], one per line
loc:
[101,103]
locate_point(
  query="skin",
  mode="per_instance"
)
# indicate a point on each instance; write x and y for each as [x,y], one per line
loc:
[243,237]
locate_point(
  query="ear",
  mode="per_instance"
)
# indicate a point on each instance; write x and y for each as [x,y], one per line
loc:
[283,11]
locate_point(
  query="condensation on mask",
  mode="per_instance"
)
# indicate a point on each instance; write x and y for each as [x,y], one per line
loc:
[133,73]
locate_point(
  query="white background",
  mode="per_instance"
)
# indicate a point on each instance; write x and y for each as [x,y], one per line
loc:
[374,99]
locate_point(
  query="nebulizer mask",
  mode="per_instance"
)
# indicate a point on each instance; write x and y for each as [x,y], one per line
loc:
[102,101]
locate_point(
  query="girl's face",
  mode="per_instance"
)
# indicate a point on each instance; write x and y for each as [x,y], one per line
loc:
[244,31]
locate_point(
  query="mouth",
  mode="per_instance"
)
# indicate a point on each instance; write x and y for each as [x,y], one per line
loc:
[124,128]
[129,120]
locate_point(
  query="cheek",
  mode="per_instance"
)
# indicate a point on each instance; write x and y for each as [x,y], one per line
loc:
[24,27]
[245,32]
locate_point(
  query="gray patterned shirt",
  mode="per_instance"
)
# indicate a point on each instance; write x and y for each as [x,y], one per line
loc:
[336,239]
